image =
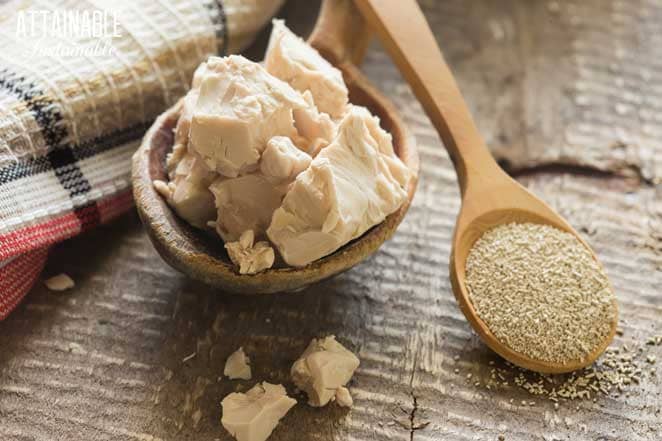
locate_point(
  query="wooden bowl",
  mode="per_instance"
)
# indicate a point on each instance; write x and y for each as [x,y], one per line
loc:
[202,256]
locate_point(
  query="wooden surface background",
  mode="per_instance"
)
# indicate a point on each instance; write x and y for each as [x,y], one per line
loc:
[568,95]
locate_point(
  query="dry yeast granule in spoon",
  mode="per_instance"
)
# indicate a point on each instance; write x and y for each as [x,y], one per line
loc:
[540,292]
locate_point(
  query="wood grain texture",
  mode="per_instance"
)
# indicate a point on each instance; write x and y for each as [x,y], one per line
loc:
[104,361]
[570,82]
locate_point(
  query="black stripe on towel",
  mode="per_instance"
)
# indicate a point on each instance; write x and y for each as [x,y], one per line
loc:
[61,158]
[220,21]
[33,166]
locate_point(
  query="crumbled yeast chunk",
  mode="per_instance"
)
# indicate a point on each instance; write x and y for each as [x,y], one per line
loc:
[61,282]
[249,201]
[315,129]
[351,185]
[239,108]
[251,258]
[245,202]
[187,191]
[237,366]
[254,415]
[183,127]
[162,188]
[292,60]
[282,160]
[343,397]
[321,85]
[324,368]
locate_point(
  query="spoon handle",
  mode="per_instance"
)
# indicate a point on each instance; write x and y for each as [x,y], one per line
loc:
[406,35]
[340,32]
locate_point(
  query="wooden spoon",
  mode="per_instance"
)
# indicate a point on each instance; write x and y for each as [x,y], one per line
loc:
[489,196]
[340,37]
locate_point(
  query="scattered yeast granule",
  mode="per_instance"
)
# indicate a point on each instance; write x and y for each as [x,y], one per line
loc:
[614,374]
[540,292]
[61,282]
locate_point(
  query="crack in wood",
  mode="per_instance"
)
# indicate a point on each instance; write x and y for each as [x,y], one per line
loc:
[412,416]
[413,426]
[627,173]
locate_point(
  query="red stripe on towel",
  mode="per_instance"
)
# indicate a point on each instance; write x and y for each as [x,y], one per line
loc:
[18,276]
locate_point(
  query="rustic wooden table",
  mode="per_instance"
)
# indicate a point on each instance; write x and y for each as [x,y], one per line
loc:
[568,95]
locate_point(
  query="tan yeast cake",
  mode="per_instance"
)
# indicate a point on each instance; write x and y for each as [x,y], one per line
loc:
[292,60]
[237,366]
[351,185]
[249,256]
[239,108]
[254,415]
[323,370]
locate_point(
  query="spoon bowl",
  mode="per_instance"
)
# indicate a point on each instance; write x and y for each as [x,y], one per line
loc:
[489,196]
[339,37]
[475,220]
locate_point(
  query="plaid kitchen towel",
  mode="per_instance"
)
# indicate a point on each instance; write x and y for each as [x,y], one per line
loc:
[80,81]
